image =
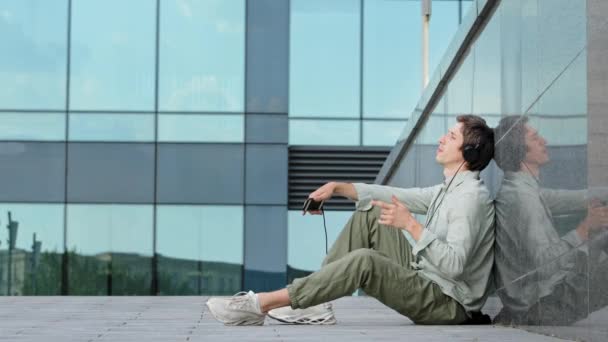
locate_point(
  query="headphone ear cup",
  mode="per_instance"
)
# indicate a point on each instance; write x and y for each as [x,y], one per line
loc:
[470,154]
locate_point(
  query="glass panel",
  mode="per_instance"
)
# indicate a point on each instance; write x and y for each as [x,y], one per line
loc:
[36,259]
[324,132]
[266,178]
[111,173]
[200,128]
[110,249]
[562,35]
[32,126]
[112,55]
[486,70]
[266,128]
[443,26]
[34,54]
[306,239]
[32,172]
[210,76]
[265,268]
[111,127]
[324,66]
[200,173]
[200,249]
[267,56]
[467,5]
[392,81]
[382,133]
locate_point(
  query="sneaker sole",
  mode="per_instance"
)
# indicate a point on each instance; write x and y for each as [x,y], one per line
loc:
[306,321]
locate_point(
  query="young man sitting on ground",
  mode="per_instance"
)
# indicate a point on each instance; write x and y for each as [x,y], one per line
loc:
[441,279]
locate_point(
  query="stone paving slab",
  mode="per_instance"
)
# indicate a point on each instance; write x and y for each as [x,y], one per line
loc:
[187,319]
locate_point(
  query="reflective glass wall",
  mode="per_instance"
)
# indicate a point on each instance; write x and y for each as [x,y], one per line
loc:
[122,147]
[529,74]
[144,144]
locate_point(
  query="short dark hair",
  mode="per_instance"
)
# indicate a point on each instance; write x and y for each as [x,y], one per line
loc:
[477,133]
[511,142]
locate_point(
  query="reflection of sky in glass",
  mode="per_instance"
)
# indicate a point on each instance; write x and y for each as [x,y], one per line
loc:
[443,26]
[112,55]
[306,238]
[202,62]
[46,220]
[112,127]
[324,132]
[94,229]
[33,58]
[324,58]
[381,133]
[200,128]
[568,95]
[208,233]
[32,126]
[392,58]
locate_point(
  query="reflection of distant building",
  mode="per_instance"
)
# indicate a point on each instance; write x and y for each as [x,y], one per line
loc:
[19,267]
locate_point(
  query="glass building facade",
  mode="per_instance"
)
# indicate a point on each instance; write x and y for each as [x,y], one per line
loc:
[144,143]
[532,69]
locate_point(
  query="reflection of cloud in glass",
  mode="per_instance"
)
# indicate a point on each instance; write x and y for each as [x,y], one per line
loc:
[32,62]
[204,91]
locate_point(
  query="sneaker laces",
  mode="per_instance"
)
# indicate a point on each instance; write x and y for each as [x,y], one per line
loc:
[241,301]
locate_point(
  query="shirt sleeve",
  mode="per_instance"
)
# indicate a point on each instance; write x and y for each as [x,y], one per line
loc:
[564,201]
[417,200]
[539,239]
[467,218]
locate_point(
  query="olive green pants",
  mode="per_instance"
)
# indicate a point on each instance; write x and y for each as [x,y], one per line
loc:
[376,258]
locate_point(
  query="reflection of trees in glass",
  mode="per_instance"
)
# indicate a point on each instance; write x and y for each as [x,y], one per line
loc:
[192,277]
[121,274]
[109,274]
[47,275]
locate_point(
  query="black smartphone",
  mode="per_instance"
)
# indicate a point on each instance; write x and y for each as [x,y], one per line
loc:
[312,205]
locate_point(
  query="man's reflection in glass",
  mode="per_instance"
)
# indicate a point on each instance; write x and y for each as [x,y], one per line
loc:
[543,278]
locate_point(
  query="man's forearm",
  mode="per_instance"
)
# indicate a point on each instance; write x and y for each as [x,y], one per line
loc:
[347,190]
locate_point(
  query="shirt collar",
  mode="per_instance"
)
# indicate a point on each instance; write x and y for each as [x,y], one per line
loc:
[461,177]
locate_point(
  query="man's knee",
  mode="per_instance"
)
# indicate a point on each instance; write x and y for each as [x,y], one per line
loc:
[364,257]
[367,215]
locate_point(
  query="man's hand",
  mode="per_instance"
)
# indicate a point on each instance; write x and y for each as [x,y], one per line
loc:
[597,218]
[322,194]
[397,215]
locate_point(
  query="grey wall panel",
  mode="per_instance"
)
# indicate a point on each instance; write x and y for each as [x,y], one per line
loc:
[200,173]
[267,56]
[262,128]
[266,180]
[32,172]
[109,173]
[266,238]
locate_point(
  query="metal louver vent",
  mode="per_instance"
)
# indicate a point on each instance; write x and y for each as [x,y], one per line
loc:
[312,166]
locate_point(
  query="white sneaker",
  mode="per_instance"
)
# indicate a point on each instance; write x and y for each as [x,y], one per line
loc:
[321,314]
[241,309]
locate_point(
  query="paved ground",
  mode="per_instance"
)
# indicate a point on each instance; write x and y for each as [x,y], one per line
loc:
[186,319]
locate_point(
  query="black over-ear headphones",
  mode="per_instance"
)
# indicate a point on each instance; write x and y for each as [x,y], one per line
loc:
[471,153]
